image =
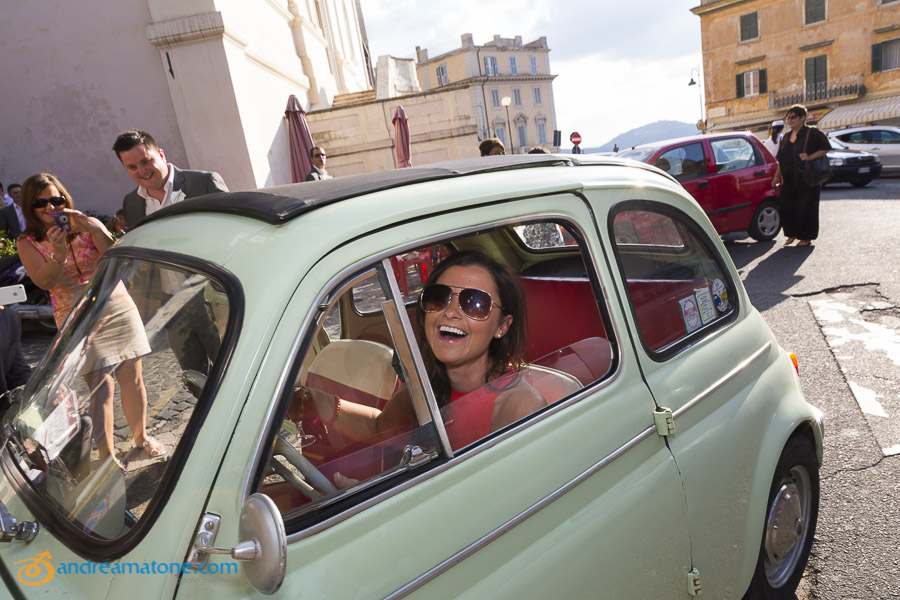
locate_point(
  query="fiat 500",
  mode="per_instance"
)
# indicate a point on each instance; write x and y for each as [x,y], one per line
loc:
[649,441]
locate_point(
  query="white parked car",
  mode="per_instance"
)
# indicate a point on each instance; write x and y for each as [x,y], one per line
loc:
[878,139]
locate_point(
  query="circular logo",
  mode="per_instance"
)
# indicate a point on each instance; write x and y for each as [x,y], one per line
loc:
[691,314]
[720,295]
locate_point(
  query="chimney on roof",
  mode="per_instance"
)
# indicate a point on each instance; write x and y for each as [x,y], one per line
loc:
[421,54]
[467,40]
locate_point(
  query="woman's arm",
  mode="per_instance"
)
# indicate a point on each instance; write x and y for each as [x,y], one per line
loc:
[44,273]
[357,421]
[99,233]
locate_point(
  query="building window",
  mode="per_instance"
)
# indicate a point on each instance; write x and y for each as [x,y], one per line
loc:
[749,26]
[542,132]
[521,129]
[517,97]
[495,99]
[815,11]
[752,83]
[816,77]
[538,101]
[500,132]
[442,78]
[513,67]
[490,66]
[533,60]
[886,56]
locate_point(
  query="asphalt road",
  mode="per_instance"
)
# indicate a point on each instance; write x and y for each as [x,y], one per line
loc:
[837,305]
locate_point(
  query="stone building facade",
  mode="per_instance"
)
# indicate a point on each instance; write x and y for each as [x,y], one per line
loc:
[501,68]
[841,58]
[210,79]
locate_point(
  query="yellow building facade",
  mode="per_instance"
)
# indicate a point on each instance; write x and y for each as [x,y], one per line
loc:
[840,58]
[509,83]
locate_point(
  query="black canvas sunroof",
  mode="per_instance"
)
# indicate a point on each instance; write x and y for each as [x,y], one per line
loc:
[284,202]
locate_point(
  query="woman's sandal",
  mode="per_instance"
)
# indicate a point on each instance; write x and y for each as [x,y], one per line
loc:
[159,450]
[804,243]
[790,241]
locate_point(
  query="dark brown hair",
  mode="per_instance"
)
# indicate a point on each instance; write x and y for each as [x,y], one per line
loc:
[798,110]
[507,352]
[131,138]
[486,146]
[33,186]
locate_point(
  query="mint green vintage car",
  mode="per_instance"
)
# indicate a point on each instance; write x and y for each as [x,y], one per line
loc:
[673,451]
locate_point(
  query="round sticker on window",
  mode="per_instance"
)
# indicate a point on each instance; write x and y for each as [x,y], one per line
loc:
[720,296]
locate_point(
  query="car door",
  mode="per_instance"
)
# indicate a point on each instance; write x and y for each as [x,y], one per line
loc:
[886,144]
[704,353]
[741,182]
[578,500]
[688,164]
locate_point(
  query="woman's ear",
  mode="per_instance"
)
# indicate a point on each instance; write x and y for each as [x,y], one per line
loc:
[505,322]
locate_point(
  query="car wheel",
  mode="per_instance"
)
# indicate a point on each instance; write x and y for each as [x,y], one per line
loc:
[766,221]
[791,515]
[861,183]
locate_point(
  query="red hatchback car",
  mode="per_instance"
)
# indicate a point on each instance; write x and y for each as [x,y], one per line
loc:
[729,174]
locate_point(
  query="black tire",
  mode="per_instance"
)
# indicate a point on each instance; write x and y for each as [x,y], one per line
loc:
[793,497]
[766,221]
[861,183]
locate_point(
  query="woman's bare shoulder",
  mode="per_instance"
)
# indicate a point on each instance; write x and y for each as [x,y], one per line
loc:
[515,403]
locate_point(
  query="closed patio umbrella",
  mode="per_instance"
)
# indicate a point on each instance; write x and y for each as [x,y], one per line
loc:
[300,140]
[401,138]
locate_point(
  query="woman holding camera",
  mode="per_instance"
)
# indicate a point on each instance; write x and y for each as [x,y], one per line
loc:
[60,249]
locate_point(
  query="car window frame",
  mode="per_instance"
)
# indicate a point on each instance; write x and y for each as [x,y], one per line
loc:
[314,521]
[101,550]
[666,353]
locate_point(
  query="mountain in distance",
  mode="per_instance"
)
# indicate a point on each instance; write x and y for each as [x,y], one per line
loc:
[652,132]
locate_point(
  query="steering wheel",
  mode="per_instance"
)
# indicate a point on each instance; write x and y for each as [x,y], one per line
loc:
[315,485]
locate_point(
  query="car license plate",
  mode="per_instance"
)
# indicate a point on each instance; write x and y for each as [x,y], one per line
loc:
[863,170]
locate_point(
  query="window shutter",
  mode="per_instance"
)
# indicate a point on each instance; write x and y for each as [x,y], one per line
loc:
[876,58]
[739,84]
[763,82]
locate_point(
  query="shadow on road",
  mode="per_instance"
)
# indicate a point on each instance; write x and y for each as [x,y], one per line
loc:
[768,280]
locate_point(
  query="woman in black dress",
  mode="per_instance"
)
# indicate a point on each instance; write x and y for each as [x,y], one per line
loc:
[799,202]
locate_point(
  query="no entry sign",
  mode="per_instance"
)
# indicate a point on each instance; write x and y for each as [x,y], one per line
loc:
[575,138]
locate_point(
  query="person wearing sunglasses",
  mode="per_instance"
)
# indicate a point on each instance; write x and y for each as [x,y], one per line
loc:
[63,261]
[318,172]
[472,318]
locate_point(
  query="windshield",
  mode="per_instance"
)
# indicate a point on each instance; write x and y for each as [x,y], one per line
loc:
[116,392]
[836,145]
[638,154]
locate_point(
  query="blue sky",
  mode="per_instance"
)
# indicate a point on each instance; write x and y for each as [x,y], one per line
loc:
[619,64]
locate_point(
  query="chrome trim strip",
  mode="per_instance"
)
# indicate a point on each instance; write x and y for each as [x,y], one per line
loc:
[518,519]
[722,381]
[420,385]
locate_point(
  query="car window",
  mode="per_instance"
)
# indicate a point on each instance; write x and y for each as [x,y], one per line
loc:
[677,287]
[684,163]
[131,362]
[734,154]
[368,405]
[883,136]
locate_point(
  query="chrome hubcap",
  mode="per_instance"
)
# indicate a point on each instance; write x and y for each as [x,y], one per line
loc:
[786,526]
[768,221]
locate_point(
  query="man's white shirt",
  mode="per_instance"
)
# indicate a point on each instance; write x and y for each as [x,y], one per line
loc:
[151,204]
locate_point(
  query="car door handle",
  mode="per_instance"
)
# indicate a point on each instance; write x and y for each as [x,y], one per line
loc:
[702,184]
[759,173]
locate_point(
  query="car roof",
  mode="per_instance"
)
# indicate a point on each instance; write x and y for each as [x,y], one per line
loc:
[863,128]
[690,138]
[279,204]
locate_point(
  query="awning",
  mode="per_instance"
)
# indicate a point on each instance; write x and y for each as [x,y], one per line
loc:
[744,121]
[862,112]
[761,120]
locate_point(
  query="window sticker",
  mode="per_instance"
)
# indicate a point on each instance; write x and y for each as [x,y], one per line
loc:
[705,304]
[690,313]
[720,296]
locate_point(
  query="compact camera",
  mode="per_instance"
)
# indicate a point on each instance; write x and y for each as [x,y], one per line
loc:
[62,221]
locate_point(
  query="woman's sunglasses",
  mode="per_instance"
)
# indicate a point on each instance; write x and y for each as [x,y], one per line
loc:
[42,202]
[475,304]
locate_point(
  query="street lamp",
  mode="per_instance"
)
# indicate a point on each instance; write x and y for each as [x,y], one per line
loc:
[506,101]
[700,91]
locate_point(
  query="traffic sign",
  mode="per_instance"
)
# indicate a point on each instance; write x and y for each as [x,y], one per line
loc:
[575,138]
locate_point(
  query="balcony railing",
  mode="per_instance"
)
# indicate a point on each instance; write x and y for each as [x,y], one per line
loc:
[810,93]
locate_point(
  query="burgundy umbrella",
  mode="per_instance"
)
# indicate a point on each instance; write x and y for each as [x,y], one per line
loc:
[300,140]
[401,138]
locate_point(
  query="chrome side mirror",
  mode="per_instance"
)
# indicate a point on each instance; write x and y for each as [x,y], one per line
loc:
[265,550]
